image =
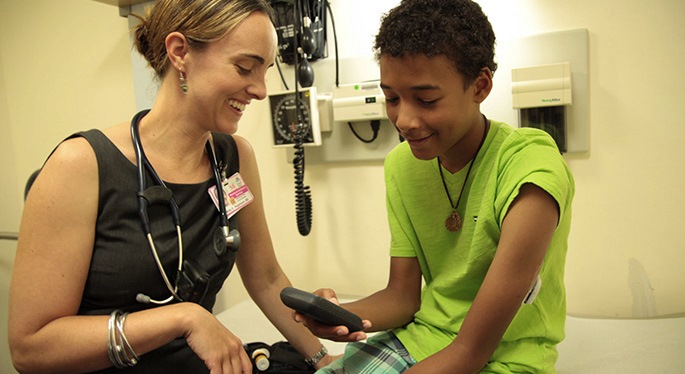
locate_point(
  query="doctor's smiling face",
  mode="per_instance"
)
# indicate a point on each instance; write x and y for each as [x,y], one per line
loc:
[431,105]
[229,73]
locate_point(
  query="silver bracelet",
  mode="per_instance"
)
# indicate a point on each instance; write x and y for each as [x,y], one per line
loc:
[317,357]
[111,337]
[129,353]
[120,352]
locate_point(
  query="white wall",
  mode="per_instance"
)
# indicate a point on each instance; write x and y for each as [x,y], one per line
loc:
[65,66]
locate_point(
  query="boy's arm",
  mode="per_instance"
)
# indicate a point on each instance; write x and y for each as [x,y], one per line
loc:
[526,234]
[390,307]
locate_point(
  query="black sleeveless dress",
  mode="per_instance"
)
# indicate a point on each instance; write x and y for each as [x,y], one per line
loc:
[123,264]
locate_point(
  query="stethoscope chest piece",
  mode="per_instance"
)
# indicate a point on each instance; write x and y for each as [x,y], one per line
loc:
[223,239]
[219,242]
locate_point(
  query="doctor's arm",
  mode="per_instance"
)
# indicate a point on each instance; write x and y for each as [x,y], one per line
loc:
[50,271]
[526,234]
[258,266]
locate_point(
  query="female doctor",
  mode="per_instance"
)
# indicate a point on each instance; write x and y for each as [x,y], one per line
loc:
[122,249]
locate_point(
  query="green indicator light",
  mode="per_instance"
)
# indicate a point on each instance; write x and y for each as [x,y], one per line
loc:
[356,86]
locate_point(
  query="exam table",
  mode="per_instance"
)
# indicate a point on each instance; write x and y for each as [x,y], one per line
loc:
[592,345]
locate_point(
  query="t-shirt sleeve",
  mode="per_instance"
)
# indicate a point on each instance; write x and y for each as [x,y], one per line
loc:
[403,240]
[531,156]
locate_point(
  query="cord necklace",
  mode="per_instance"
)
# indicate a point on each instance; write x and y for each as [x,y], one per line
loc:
[453,222]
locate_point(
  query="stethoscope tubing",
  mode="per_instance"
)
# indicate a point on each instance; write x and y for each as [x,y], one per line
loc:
[159,193]
[219,186]
[144,164]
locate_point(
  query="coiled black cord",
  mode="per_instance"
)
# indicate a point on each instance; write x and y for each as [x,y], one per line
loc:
[303,197]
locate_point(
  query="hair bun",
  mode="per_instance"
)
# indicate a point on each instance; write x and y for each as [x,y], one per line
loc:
[141,38]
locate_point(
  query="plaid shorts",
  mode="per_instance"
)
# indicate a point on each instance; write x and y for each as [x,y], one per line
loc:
[381,353]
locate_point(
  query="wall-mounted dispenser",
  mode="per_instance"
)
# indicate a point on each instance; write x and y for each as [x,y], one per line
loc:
[542,95]
[554,48]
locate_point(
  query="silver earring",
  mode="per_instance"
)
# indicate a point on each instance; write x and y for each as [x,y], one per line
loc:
[184,85]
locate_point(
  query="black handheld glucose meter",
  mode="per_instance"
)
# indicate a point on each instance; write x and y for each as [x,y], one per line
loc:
[320,309]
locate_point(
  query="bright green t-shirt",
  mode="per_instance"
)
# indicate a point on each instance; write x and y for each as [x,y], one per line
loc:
[454,264]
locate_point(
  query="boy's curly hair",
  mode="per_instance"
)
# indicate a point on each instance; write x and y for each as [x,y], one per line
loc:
[456,29]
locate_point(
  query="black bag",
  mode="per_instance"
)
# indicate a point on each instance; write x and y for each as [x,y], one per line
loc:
[283,358]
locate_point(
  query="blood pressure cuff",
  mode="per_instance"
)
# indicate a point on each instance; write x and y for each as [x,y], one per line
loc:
[283,358]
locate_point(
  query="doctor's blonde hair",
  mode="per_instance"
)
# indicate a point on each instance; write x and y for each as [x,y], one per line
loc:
[200,21]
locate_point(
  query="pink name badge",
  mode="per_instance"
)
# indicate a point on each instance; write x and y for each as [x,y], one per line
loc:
[236,194]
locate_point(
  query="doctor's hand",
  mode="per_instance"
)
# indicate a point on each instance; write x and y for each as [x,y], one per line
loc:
[334,333]
[221,351]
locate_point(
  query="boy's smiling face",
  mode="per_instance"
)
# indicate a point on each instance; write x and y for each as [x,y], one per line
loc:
[428,104]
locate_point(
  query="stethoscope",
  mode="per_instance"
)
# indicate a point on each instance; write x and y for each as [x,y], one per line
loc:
[159,194]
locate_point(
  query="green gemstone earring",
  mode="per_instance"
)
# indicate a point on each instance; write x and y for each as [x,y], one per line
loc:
[184,85]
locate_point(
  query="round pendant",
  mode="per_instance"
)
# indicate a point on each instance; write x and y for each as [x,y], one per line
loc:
[453,221]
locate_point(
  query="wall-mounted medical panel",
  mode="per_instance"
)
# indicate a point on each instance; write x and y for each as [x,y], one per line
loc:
[541,86]
[543,95]
[362,101]
[554,51]
[355,105]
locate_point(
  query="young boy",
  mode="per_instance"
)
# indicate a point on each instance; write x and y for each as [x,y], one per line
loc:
[479,209]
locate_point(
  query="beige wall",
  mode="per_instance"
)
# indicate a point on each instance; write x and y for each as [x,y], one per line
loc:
[65,66]
[626,247]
